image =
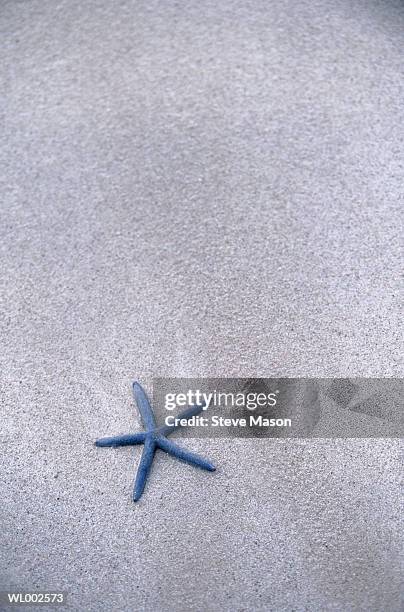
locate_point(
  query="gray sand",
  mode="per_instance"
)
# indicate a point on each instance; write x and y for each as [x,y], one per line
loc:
[195,189]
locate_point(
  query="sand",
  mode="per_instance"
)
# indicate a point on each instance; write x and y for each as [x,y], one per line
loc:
[197,189]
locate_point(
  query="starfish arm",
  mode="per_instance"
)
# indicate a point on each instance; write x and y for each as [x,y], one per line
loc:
[144,406]
[144,468]
[185,414]
[123,440]
[184,455]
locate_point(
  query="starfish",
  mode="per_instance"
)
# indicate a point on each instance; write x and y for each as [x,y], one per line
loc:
[154,437]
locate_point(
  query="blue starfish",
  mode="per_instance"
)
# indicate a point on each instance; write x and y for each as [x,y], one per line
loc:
[154,437]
